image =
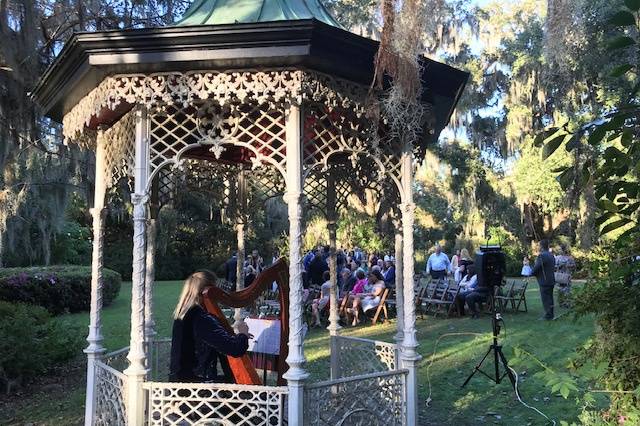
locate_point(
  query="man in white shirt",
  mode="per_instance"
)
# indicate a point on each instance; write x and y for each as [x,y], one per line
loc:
[438,264]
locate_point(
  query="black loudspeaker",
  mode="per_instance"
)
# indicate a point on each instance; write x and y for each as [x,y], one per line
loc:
[490,264]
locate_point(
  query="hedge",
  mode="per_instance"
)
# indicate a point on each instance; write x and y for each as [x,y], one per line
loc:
[58,289]
[31,342]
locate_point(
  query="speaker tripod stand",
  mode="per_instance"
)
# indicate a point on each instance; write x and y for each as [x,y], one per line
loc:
[496,349]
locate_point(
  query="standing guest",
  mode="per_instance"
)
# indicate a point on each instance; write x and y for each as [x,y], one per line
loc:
[231,270]
[438,264]
[381,264]
[390,271]
[455,261]
[543,270]
[306,260]
[199,340]
[256,261]
[373,260]
[317,267]
[526,267]
[358,255]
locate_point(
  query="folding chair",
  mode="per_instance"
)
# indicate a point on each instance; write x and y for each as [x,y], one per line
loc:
[502,297]
[449,299]
[437,297]
[425,293]
[382,307]
[520,295]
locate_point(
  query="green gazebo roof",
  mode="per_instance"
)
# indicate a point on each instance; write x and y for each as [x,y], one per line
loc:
[215,12]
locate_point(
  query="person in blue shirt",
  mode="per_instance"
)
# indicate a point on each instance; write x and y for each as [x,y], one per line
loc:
[438,265]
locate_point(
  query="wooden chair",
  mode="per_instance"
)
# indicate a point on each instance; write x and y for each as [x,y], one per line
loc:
[502,297]
[519,295]
[382,308]
[449,299]
[426,292]
[437,297]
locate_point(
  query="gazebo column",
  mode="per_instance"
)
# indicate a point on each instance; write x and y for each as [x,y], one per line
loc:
[408,355]
[333,276]
[137,358]
[240,228]
[150,275]
[399,282]
[296,374]
[95,349]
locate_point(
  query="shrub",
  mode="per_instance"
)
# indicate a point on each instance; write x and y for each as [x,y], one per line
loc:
[58,289]
[31,342]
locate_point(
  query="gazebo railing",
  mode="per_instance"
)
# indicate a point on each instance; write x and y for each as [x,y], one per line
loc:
[369,399]
[356,356]
[214,403]
[110,395]
[159,353]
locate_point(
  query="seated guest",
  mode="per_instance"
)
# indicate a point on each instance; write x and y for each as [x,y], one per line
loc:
[249,275]
[476,294]
[370,299]
[361,282]
[467,285]
[390,271]
[319,304]
[199,340]
[348,281]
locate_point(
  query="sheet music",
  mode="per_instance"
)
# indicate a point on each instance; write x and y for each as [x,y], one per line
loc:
[266,335]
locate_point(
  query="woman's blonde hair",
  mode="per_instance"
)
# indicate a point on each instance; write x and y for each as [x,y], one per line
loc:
[192,292]
[464,254]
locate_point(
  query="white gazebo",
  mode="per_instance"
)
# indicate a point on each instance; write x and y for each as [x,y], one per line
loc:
[270,91]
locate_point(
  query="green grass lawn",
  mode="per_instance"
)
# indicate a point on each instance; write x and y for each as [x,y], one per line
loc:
[481,402]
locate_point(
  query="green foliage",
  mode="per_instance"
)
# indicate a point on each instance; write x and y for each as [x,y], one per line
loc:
[58,289]
[31,342]
[72,246]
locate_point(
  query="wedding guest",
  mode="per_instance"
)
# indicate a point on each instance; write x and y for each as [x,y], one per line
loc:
[438,265]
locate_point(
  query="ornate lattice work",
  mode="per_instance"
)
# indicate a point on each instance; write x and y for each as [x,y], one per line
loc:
[110,396]
[175,129]
[215,404]
[363,356]
[367,400]
[119,149]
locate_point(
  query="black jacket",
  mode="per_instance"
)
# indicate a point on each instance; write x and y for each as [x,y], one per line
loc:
[198,342]
[544,269]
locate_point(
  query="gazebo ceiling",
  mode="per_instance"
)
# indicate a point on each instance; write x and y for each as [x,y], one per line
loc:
[88,58]
[217,12]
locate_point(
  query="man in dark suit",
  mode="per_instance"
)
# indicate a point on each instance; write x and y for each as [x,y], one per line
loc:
[230,271]
[543,270]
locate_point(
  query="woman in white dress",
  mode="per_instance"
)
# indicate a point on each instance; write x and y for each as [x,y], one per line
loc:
[370,299]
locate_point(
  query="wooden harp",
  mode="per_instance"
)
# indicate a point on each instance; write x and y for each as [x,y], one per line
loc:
[242,368]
